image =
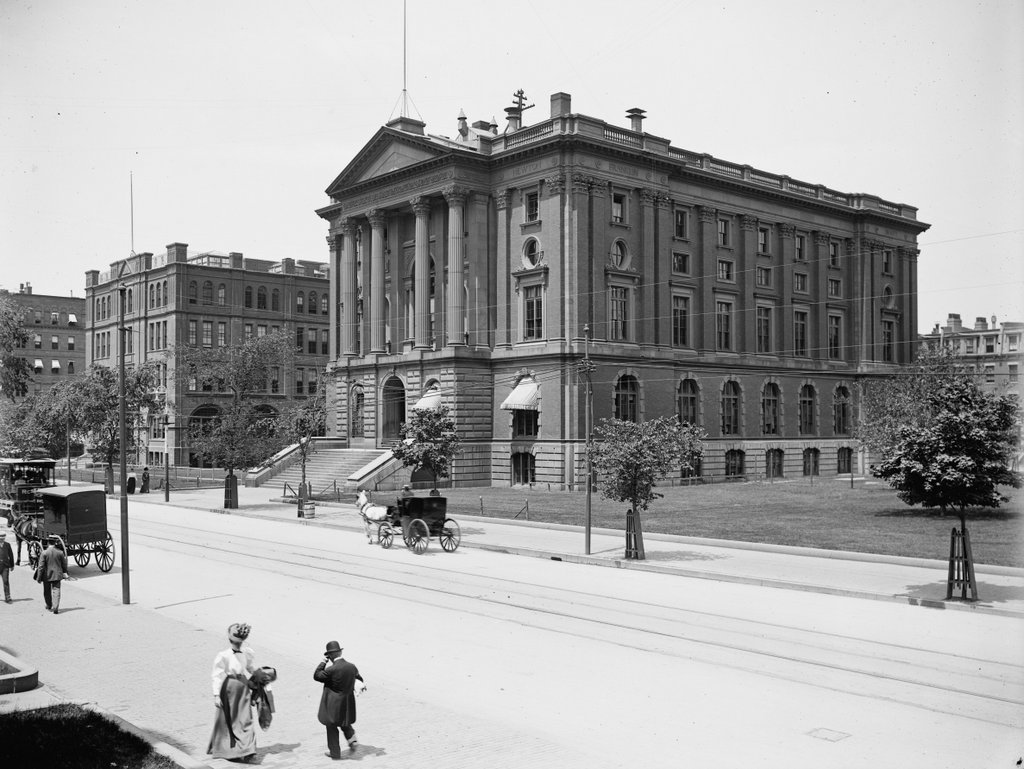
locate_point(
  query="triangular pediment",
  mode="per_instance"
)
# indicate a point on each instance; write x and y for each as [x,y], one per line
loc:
[394,157]
[387,152]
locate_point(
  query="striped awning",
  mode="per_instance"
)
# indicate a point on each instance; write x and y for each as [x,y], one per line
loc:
[431,399]
[523,397]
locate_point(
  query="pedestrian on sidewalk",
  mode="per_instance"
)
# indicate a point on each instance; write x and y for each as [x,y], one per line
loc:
[145,481]
[6,564]
[338,701]
[54,565]
[234,733]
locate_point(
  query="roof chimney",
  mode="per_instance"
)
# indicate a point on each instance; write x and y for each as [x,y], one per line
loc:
[408,124]
[980,324]
[513,115]
[561,104]
[177,252]
[953,321]
[636,119]
[463,125]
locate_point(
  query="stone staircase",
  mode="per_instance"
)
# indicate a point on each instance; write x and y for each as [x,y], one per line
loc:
[324,467]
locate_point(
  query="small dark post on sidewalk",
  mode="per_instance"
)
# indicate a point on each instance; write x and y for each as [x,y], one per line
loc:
[634,537]
[961,566]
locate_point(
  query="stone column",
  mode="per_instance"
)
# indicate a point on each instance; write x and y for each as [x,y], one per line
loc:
[787,259]
[647,293]
[819,309]
[704,314]
[421,324]
[746,281]
[908,302]
[503,311]
[456,197]
[377,220]
[334,242]
[349,288]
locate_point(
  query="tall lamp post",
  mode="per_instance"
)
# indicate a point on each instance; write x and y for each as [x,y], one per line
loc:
[167,459]
[586,368]
[123,423]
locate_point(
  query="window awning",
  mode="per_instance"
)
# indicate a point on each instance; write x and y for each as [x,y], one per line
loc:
[55,364]
[523,397]
[72,319]
[39,364]
[431,399]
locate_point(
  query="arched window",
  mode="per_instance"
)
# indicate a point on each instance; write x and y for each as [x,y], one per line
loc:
[300,302]
[807,408]
[324,305]
[734,462]
[208,292]
[275,300]
[774,463]
[313,305]
[248,296]
[524,469]
[770,409]
[71,367]
[731,408]
[261,298]
[193,291]
[393,401]
[627,398]
[166,297]
[356,405]
[811,460]
[131,301]
[531,253]
[688,401]
[152,295]
[201,422]
[841,411]
[222,295]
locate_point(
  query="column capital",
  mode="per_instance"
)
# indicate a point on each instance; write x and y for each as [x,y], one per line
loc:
[648,196]
[820,238]
[582,184]
[347,226]
[748,223]
[555,185]
[786,230]
[502,198]
[706,213]
[420,206]
[908,253]
[455,195]
[377,217]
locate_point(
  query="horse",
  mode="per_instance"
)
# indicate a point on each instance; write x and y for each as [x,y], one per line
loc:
[28,528]
[373,515]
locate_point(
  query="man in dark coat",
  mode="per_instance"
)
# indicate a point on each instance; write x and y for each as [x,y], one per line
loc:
[6,564]
[55,569]
[338,702]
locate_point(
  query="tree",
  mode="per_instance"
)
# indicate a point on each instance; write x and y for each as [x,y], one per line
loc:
[17,431]
[630,457]
[15,373]
[428,441]
[245,433]
[300,424]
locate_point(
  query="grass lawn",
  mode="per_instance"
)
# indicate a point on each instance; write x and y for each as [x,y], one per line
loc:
[72,737]
[827,513]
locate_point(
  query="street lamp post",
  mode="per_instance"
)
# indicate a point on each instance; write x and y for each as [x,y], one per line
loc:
[167,460]
[587,367]
[123,424]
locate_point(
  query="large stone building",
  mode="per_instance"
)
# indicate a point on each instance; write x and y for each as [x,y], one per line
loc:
[994,351]
[213,300]
[56,336]
[480,269]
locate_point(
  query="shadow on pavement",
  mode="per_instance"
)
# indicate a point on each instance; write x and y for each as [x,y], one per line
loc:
[987,592]
[682,556]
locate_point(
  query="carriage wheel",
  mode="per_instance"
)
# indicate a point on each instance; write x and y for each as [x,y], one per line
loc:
[385,535]
[104,550]
[82,557]
[451,535]
[419,536]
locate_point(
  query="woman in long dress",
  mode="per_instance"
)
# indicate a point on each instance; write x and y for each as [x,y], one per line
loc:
[234,733]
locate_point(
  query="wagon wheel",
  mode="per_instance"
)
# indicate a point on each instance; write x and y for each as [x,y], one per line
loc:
[82,557]
[385,535]
[104,550]
[419,536]
[451,535]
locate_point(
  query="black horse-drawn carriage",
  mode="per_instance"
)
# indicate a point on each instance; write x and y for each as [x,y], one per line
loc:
[19,481]
[75,515]
[416,519]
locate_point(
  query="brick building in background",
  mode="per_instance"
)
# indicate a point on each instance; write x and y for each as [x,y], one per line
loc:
[210,299]
[478,270]
[56,336]
[993,350]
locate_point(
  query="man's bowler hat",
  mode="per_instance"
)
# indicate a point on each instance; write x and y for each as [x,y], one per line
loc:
[332,646]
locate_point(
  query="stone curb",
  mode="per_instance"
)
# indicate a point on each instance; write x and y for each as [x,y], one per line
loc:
[25,679]
[169,752]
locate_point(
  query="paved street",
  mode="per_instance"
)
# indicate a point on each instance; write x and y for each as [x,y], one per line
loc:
[478,657]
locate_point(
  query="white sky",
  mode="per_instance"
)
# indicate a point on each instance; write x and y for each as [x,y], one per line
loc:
[233,117]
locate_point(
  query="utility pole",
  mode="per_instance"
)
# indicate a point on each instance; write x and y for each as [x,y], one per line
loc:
[123,423]
[586,367]
[167,458]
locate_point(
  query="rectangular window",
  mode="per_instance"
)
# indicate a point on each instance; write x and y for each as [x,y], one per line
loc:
[275,379]
[71,343]
[835,287]
[311,341]
[54,343]
[207,333]
[300,381]
[54,318]
[524,423]
[969,346]
[800,333]
[300,335]
[990,344]
[725,270]
[762,240]
[311,384]
[835,337]
[534,312]
[801,248]
[261,330]
[163,334]
[1013,375]
[193,332]
[723,325]
[764,276]
[1012,342]
[619,319]
[887,262]
[990,374]
[532,207]
[723,232]
[680,263]
[682,224]
[618,208]
[325,341]
[222,334]
[800,282]
[38,341]
[833,254]
[764,329]
[680,321]
[248,330]
[888,341]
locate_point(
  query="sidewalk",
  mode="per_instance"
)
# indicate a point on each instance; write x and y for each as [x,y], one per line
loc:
[911,581]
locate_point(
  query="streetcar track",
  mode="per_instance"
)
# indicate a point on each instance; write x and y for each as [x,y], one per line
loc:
[335,569]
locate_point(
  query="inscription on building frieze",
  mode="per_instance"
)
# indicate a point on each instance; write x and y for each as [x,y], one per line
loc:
[398,190]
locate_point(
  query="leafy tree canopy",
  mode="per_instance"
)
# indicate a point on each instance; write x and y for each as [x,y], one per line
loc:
[241,368]
[630,457]
[245,435]
[428,440]
[15,372]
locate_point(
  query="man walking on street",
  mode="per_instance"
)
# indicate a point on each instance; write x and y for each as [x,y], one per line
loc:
[338,701]
[55,568]
[6,564]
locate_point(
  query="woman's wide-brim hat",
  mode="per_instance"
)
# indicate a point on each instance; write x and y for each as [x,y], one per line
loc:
[332,646]
[238,632]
